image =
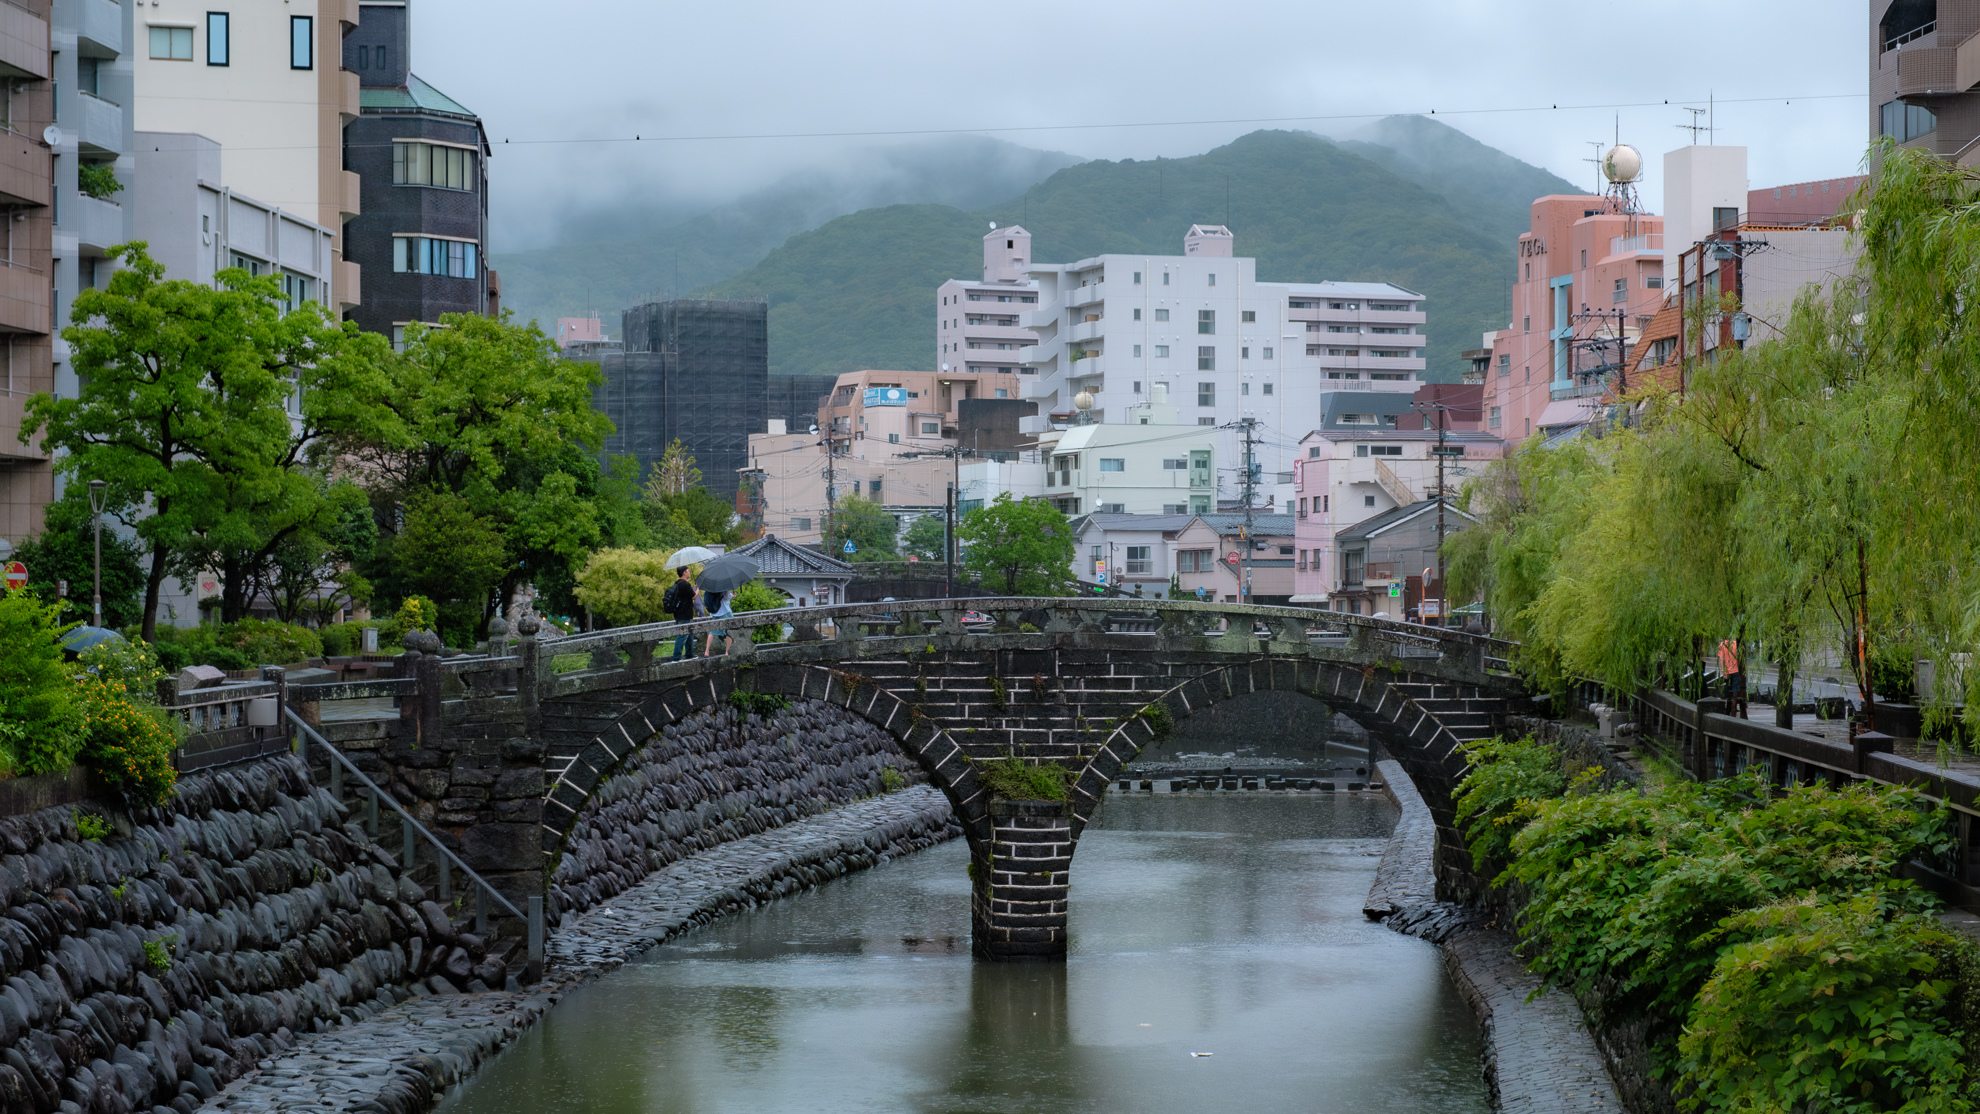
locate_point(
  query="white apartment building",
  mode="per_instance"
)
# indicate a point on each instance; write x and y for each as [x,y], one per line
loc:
[268,85]
[1225,345]
[977,327]
[1150,465]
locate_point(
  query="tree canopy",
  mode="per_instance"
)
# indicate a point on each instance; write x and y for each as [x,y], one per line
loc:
[1019,547]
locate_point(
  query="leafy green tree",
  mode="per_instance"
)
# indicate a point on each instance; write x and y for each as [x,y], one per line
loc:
[1019,547]
[925,537]
[758,596]
[874,533]
[673,474]
[712,521]
[448,552]
[624,587]
[183,409]
[64,551]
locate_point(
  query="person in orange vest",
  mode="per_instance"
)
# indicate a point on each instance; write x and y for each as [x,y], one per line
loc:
[1735,679]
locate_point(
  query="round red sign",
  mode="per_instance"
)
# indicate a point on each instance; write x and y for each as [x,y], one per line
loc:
[1231,557]
[17,575]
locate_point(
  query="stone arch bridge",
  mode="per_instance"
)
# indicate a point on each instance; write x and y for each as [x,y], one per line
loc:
[1080,683]
[499,753]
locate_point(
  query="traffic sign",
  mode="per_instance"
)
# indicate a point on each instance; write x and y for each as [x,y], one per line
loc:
[1395,591]
[17,576]
[1231,558]
[849,546]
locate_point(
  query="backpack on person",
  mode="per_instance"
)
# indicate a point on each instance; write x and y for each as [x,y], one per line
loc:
[679,593]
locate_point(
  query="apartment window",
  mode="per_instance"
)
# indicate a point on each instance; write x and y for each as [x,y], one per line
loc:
[1244,353]
[872,487]
[219,41]
[427,164]
[800,524]
[1268,388]
[930,429]
[296,289]
[1206,394]
[174,44]
[302,42]
[1206,359]
[1066,506]
[1378,450]
[1137,386]
[1314,350]
[1137,315]
[1165,278]
[893,438]
[1904,122]
[1351,419]
[1137,350]
[1175,508]
[1206,322]
[1526,324]
[1213,278]
[1206,421]
[1161,351]
[1196,560]
[1268,353]
[1368,500]
[1529,272]
[1492,422]
[1505,365]
[1137,282]
[1351,560]
[251,266]
[1140,559]
[1248,316]
[425,255]
[1113,464]
[1313,452]
[1161,315]
[1175,464]
[1113,508]
[1244,388]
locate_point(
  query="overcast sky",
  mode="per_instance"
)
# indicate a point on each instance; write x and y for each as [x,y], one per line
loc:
[587,71]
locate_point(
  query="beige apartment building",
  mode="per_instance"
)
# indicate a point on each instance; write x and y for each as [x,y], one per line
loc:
[266,83]
[27,169]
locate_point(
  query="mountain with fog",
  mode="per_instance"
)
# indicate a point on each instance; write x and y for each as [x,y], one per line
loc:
[1426,207]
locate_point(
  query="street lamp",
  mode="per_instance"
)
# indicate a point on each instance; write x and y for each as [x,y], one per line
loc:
[96,532]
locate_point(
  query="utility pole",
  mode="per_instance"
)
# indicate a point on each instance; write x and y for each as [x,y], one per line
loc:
[1250,484]
[1443,594]
[831,492]
[96,531]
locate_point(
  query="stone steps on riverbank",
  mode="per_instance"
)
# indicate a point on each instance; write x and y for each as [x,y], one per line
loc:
[1543,1059]
[401,1059]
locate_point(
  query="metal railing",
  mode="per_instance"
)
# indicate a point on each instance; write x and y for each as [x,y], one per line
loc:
[1915,33]
[412,834]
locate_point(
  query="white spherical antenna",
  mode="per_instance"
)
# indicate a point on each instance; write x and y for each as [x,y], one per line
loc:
[993,226]
[1622,163]
[1083,401]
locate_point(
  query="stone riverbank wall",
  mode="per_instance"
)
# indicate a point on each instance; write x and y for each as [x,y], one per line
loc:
[149,962]
[718,776]
[1542,1059]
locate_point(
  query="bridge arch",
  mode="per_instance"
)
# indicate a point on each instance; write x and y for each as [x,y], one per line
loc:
[1022,851]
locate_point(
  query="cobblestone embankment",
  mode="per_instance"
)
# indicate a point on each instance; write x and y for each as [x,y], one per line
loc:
[1542,1058]
[401,1060]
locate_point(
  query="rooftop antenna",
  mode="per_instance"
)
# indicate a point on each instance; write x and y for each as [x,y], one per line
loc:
[1694,127]
[1597,160]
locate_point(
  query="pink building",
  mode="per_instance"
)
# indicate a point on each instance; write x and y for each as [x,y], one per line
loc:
[1590,277]
[576,330]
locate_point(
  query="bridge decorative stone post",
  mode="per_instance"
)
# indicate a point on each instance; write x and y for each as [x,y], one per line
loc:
[1020,891]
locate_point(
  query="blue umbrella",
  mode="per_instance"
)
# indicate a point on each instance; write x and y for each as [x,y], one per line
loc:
[82,638]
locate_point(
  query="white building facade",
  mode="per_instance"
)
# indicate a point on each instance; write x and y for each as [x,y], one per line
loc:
[1226,346]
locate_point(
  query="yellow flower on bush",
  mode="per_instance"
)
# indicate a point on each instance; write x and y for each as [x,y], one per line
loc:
[130,740]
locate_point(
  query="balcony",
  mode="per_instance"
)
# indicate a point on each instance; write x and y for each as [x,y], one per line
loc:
[96,224]
[24,296]
[347,204]
[13,413]
[101,129]
[27,169]
[346,284]
[1649,243]
[101,23]
[1087,330]
[23,43]
[1084,296]
[347,95]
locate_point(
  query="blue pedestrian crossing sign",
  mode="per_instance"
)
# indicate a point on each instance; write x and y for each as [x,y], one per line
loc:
[849,546]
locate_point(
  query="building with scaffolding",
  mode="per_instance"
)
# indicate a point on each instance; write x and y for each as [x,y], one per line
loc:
[690,369]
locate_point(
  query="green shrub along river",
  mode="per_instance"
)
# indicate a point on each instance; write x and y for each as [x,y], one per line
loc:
[1762,940]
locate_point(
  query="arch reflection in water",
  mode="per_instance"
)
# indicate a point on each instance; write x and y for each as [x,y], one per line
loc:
[1206,924]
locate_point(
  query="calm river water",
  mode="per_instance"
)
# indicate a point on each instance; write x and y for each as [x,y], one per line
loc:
[1224,925]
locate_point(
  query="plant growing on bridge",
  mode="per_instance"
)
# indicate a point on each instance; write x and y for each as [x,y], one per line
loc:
[999,699]
[1500,793]
[892,780]
[1159,719]
[764,704]
[1012,779]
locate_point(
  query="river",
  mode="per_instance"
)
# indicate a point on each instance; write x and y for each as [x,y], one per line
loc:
[1219,962]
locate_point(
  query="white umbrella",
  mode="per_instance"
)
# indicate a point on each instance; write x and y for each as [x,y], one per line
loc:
[692,555]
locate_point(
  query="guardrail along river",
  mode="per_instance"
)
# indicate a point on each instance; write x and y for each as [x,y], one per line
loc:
[1219,962]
